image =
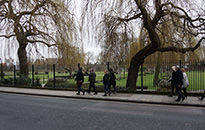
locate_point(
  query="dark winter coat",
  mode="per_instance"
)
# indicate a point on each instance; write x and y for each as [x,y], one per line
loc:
[179,77]
[174,79]
[112,78]
[106,79]
[92,76]
[79,76]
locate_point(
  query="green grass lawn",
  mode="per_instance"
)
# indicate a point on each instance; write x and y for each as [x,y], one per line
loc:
[196,79]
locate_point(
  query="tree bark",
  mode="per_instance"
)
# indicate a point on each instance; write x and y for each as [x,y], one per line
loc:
[23,63]
[136,61]
[133,74]
[157,70]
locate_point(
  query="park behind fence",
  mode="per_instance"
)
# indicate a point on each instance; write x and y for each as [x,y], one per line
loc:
[151,77]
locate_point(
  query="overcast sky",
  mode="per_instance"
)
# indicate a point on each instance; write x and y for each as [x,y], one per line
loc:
[9,49]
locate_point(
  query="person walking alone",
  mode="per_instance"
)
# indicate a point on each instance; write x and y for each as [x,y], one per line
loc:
[79,81]
[106,80]
[92,79]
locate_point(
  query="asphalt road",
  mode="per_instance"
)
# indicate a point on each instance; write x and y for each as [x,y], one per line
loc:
[23,112]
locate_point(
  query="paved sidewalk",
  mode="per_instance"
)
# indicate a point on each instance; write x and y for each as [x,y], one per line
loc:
[121,97]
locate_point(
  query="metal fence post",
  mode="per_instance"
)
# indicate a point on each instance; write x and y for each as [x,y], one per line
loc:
[14,75]
[2,72]
[33,75]
[54,76]
[78,66]
[108,66]
[141,77]
[180,63]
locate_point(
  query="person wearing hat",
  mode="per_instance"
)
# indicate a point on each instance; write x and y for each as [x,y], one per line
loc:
[173,81]
[179,83]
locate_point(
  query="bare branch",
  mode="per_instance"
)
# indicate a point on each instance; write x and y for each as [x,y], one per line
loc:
[159,12]
[8,36]
[40,41]
[38,6]
[131,18]
[181,50]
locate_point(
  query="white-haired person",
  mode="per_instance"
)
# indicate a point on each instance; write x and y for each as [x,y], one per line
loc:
[185,82]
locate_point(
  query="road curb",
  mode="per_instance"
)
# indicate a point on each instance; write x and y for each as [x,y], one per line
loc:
[106,99]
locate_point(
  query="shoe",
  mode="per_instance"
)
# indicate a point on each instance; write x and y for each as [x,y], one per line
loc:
[200,99]
[83,92]
[183,99]
[77,93]
[105,95]
[178,100]
[95,93]
[109,93]
[170,95]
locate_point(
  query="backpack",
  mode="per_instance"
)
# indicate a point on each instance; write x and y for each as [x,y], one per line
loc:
[92,77]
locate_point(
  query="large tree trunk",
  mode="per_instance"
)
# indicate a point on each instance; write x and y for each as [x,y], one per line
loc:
[136,61]
[23,60]
[133,74]
[157,70]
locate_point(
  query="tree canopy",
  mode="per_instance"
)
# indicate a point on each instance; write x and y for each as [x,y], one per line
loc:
[185,19]
[34,22]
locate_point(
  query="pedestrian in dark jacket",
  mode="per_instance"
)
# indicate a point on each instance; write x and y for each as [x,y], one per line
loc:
[79,81]
[179,77]
[173,81]
[92,80]
[106,80]
[112,81]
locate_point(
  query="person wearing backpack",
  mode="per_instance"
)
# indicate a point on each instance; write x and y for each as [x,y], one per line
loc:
[79,81]
[106,80]
[92,80]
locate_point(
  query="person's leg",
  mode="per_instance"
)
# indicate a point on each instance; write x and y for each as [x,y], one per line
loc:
[78,90]
[109,88]
[89,89]
[202,97]
[114,87]
[172,91]
[81,89]
[105,90]
[94,88]
[180,95]
[185,92]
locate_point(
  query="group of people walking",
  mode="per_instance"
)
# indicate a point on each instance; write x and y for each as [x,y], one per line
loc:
[180,82]
[109,79]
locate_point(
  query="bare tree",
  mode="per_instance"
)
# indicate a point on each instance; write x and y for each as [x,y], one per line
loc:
[31,22]
[151,14]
